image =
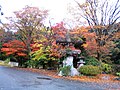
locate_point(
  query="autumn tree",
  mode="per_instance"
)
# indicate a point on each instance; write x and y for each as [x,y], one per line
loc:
[16,50]
[2,32]
[28,23]
[101,16]
[91,46]
[41,47]
[116,50]
[5,36]
[45,49]
[100,13]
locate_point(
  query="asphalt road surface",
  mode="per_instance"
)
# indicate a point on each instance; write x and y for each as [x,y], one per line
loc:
[12,79]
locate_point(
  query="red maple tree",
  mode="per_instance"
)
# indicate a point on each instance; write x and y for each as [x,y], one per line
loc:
[15,48]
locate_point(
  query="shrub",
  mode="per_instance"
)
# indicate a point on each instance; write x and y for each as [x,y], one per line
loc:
[32,63]
[117,68]
[65,70]
[107,68]
[7,61]
[92,61]
[89,70]
[118,74]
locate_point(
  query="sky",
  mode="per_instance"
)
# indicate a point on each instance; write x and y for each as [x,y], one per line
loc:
[57,8]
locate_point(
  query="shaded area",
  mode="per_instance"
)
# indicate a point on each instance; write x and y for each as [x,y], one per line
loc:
[45,78]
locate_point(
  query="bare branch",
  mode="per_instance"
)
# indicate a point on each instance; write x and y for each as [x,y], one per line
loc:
[113,11]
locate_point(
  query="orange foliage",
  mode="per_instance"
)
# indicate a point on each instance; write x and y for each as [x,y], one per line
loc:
[21,54]
[9,53]
[14,47]
[91,45]
[59,30]
[55,50]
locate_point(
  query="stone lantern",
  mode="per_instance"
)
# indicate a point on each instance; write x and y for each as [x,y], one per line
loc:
[80,63]
[71,53]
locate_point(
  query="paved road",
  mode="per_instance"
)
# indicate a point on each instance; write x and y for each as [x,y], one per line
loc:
[12,79]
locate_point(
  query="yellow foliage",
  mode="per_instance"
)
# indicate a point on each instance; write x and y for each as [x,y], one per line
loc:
[85,45]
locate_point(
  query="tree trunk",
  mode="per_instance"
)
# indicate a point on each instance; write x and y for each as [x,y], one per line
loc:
[98,54]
